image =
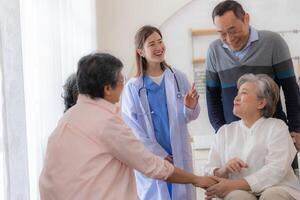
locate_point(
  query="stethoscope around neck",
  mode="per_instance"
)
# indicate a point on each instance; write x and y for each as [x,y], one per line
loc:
[179,94]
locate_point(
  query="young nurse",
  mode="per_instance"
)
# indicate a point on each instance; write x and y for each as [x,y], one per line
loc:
[157,104]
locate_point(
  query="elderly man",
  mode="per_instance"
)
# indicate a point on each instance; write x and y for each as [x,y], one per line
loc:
[92,153]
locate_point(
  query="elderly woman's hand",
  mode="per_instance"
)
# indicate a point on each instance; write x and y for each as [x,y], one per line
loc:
[233,165]
[220,189]
[224,187]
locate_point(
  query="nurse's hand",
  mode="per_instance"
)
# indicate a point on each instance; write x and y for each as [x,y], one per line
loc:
[206,181]
[191,98]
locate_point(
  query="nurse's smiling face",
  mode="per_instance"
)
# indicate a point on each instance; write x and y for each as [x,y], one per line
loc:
[153,49]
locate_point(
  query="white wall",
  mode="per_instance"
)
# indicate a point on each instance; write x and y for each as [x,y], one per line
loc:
[118,21]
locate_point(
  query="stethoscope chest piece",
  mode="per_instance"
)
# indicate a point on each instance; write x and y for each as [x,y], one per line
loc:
[179,95]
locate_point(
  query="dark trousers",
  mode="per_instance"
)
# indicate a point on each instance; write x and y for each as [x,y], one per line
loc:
[295,163]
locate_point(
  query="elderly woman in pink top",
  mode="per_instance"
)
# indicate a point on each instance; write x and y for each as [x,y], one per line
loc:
[92,153]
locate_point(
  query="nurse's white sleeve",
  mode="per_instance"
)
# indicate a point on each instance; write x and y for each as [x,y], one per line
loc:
[191,114]
[215,154]
[128,114]
[124,146]
[281,152]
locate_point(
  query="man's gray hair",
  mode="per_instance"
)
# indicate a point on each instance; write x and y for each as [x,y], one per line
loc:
[266,88]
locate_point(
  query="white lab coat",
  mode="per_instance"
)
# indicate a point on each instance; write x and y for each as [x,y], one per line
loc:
[136,113]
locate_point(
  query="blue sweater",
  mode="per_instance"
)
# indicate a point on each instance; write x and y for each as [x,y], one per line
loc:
[269,55]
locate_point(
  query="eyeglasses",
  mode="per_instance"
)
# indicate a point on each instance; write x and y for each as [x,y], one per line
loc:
[122,79]
[230,33]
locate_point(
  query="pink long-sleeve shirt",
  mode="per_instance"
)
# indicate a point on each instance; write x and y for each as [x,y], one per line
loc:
[92,153]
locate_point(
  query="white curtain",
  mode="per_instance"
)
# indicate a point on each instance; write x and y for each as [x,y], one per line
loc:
[2,163]
[55,34]
[14,177]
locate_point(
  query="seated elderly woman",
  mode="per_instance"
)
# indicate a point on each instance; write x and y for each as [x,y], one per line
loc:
[253,156]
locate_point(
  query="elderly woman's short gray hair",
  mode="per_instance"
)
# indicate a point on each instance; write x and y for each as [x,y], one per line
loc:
[266,89]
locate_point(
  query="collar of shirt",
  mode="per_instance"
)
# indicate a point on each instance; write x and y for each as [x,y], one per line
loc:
[254,126]
[100,102]
[151,84]
[252,38]
[157,79]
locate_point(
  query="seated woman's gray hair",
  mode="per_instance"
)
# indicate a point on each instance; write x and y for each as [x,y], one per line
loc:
[266,89]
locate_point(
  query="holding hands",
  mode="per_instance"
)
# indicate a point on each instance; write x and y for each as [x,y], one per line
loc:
[205,181]
[191,98]
[224,187]
[221,189]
